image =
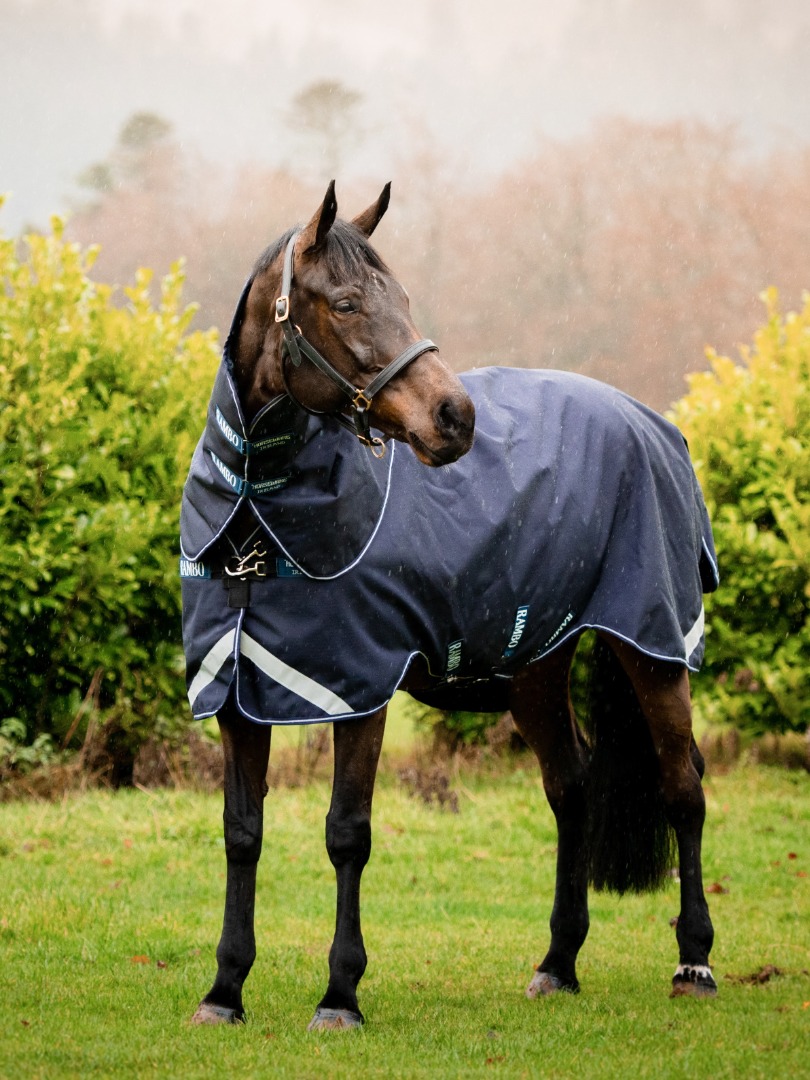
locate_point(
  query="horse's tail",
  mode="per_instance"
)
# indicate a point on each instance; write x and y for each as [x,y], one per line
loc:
[631,843]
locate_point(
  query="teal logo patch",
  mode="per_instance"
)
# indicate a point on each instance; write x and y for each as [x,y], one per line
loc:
[284,568]
[517,630]
[190,568]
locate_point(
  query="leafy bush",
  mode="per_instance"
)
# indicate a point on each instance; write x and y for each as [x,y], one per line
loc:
[748,427]
[100,407]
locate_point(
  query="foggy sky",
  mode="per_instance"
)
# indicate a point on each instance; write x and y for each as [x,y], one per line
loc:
[475,82]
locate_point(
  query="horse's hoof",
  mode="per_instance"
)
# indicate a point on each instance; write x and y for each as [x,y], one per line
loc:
[216,1014]
[544,984]
[334,1020]
[696,981]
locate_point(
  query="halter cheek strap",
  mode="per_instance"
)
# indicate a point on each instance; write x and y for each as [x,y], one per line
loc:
[296,347]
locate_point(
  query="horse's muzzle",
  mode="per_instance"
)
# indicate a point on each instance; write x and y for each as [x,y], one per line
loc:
[454,423]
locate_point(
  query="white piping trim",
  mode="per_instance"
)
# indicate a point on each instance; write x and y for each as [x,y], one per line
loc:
[271,404]
[290,678]
[210,667]
[330,577]
[709,556]
[578,629]
[692,639]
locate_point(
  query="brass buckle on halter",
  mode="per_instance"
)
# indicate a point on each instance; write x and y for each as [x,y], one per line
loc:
[282,308]
[361,402]
[244,566]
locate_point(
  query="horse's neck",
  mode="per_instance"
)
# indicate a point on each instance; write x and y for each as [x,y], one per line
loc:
[256,353]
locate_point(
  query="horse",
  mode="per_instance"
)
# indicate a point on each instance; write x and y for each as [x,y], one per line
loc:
[359,519]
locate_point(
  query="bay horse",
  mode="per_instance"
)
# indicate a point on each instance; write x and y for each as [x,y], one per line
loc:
[323,568]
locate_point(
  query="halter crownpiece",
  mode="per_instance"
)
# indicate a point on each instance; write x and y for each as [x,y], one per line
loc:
[296,346]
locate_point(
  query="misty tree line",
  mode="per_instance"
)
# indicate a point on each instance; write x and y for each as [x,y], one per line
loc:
[622,254]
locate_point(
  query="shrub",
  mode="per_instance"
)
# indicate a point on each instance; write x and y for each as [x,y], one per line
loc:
[748,427]
[100,407]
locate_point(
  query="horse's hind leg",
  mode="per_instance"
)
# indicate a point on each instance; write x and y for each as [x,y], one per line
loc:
[662,689]
[246,748]
[348,842]
[543,715]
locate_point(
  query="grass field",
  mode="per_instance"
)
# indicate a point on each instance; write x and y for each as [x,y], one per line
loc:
[110,908]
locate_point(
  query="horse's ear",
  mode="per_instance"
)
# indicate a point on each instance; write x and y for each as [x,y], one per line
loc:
[314,232]
[368,221]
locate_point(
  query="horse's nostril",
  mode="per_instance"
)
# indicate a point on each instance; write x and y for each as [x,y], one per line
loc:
[452,419]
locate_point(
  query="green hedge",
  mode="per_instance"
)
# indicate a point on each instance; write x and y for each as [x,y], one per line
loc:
[100,407]
[748,427]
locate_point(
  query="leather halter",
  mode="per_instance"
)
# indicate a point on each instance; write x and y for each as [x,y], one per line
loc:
[296,346]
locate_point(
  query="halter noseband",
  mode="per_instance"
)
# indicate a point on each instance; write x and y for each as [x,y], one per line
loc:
[296,346]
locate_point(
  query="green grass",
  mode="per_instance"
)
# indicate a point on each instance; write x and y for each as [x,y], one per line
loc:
[455,915]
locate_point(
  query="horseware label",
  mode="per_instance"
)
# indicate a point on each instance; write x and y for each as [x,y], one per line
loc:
[232,436]
[191,569]
[559,629]
[517,632]
[453,655]
[248,487]
[284,568]
[272,442]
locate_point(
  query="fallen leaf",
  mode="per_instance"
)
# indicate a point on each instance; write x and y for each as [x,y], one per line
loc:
[162,964]
[127,842]
[673,922]
[717,888]
[792,855]
[26,1023]
[139,960]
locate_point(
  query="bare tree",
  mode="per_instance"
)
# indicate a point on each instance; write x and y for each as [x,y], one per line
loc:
[324,117]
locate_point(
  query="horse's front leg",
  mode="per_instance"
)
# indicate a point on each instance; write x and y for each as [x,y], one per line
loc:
[543,715]
[247,749]
[348,842]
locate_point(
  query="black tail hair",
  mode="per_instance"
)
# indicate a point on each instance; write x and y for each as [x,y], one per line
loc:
[631,844]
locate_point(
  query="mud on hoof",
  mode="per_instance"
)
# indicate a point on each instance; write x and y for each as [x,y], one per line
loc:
[216,1014]
[545,983]
[693,981]
[334,1020]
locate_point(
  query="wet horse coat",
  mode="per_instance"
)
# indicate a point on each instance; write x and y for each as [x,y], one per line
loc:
[576,507]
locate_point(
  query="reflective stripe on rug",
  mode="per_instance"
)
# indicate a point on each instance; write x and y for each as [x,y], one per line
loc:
[292,679]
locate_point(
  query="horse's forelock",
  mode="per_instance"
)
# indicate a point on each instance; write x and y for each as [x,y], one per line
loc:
[347,253]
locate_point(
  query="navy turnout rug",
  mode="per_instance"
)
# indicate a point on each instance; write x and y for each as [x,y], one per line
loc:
[576,507]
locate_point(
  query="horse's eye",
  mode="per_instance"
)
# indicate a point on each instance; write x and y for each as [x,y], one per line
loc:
[345,307]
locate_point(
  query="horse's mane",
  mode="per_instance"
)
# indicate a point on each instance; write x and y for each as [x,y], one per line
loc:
[347,252]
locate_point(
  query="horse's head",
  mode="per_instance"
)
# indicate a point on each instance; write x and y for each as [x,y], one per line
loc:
[321,298]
